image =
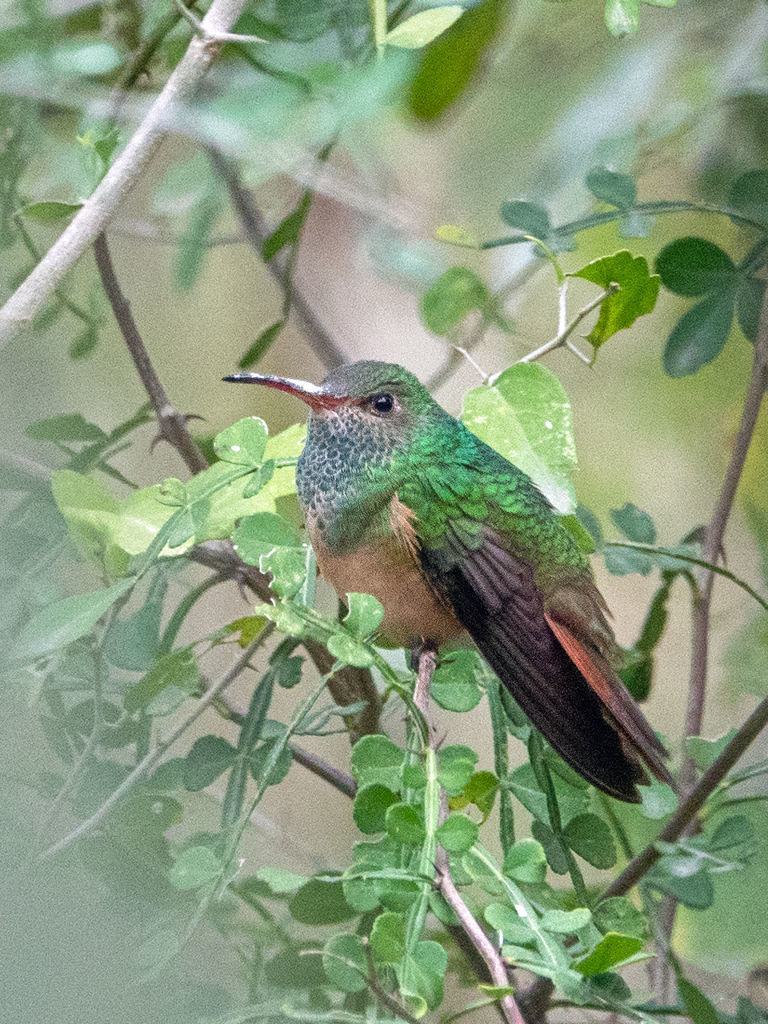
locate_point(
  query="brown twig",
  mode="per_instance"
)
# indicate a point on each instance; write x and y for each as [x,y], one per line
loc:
[713,541]
[100,207]
[315,764]
[689,808]
[173,424]
[256,231]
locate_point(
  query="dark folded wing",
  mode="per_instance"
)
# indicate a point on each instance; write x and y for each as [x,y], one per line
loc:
[495,596]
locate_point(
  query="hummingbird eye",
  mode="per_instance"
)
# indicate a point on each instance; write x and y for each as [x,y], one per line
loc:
[383,403]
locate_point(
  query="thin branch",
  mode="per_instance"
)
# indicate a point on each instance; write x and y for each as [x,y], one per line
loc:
[470,926]
[456,354]
[212,36]
[100,207]
[689,808]
[563,335]
[713,541]
[324,770]
[256,231]
[155,756]
[173,424]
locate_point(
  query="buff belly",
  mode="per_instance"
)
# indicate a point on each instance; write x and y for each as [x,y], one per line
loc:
[385,569]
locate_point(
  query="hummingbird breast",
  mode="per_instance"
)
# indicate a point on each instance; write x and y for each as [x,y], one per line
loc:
[387,566]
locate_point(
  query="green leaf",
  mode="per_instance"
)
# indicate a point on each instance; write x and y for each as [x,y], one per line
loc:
[457,834]
[746,657]
[611,187]
[592,839]
[456,765]
[658,800]
[565,922]
[421,974]
[481,791]
[622,17]
[194,867]
[261,345]
[612,950]
[259,535]
[524,785]
[526,862]
[243,443]
[699,335]
[364,615]
[694,891]
[349,651]
[526,416]
[177,669]
[344,962]
[370,807]
[404,824]
[452,296]
[454,234]
[506,920]
[209,757]
[377,759]
[420,29]
[529,218]
[705,752]
[694,266]
[62,622]
[637,294]
[50,212]
[634,523]
[454,685]
[288,230]
[193,246]
[66,428]
[450,63]
[388,938]
[697,1006]
[553,848]
[319,903]
[617,914]
[749,195]
[281,881]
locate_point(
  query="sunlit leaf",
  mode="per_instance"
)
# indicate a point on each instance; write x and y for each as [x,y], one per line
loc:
[420,29]
[526,416]
[636,296]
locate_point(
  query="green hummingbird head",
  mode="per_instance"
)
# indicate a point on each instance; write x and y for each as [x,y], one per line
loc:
[381,391]
[370,424]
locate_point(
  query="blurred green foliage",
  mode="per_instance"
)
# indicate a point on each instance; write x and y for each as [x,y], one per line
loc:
[123,872]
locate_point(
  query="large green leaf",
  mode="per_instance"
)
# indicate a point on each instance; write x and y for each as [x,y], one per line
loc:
[636,296]
[695,266]
[526,416]
[699,335]
[421,29]
[451,62]
[62,622]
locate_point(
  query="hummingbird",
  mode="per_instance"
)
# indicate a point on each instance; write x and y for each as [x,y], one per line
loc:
[403,502]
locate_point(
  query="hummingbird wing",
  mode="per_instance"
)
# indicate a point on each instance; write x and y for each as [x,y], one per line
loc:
[553,662]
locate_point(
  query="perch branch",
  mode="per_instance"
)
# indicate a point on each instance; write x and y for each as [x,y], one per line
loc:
[173,424]
[470,926]
[90,220]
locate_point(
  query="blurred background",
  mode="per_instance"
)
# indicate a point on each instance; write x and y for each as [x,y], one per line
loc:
[681,105]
